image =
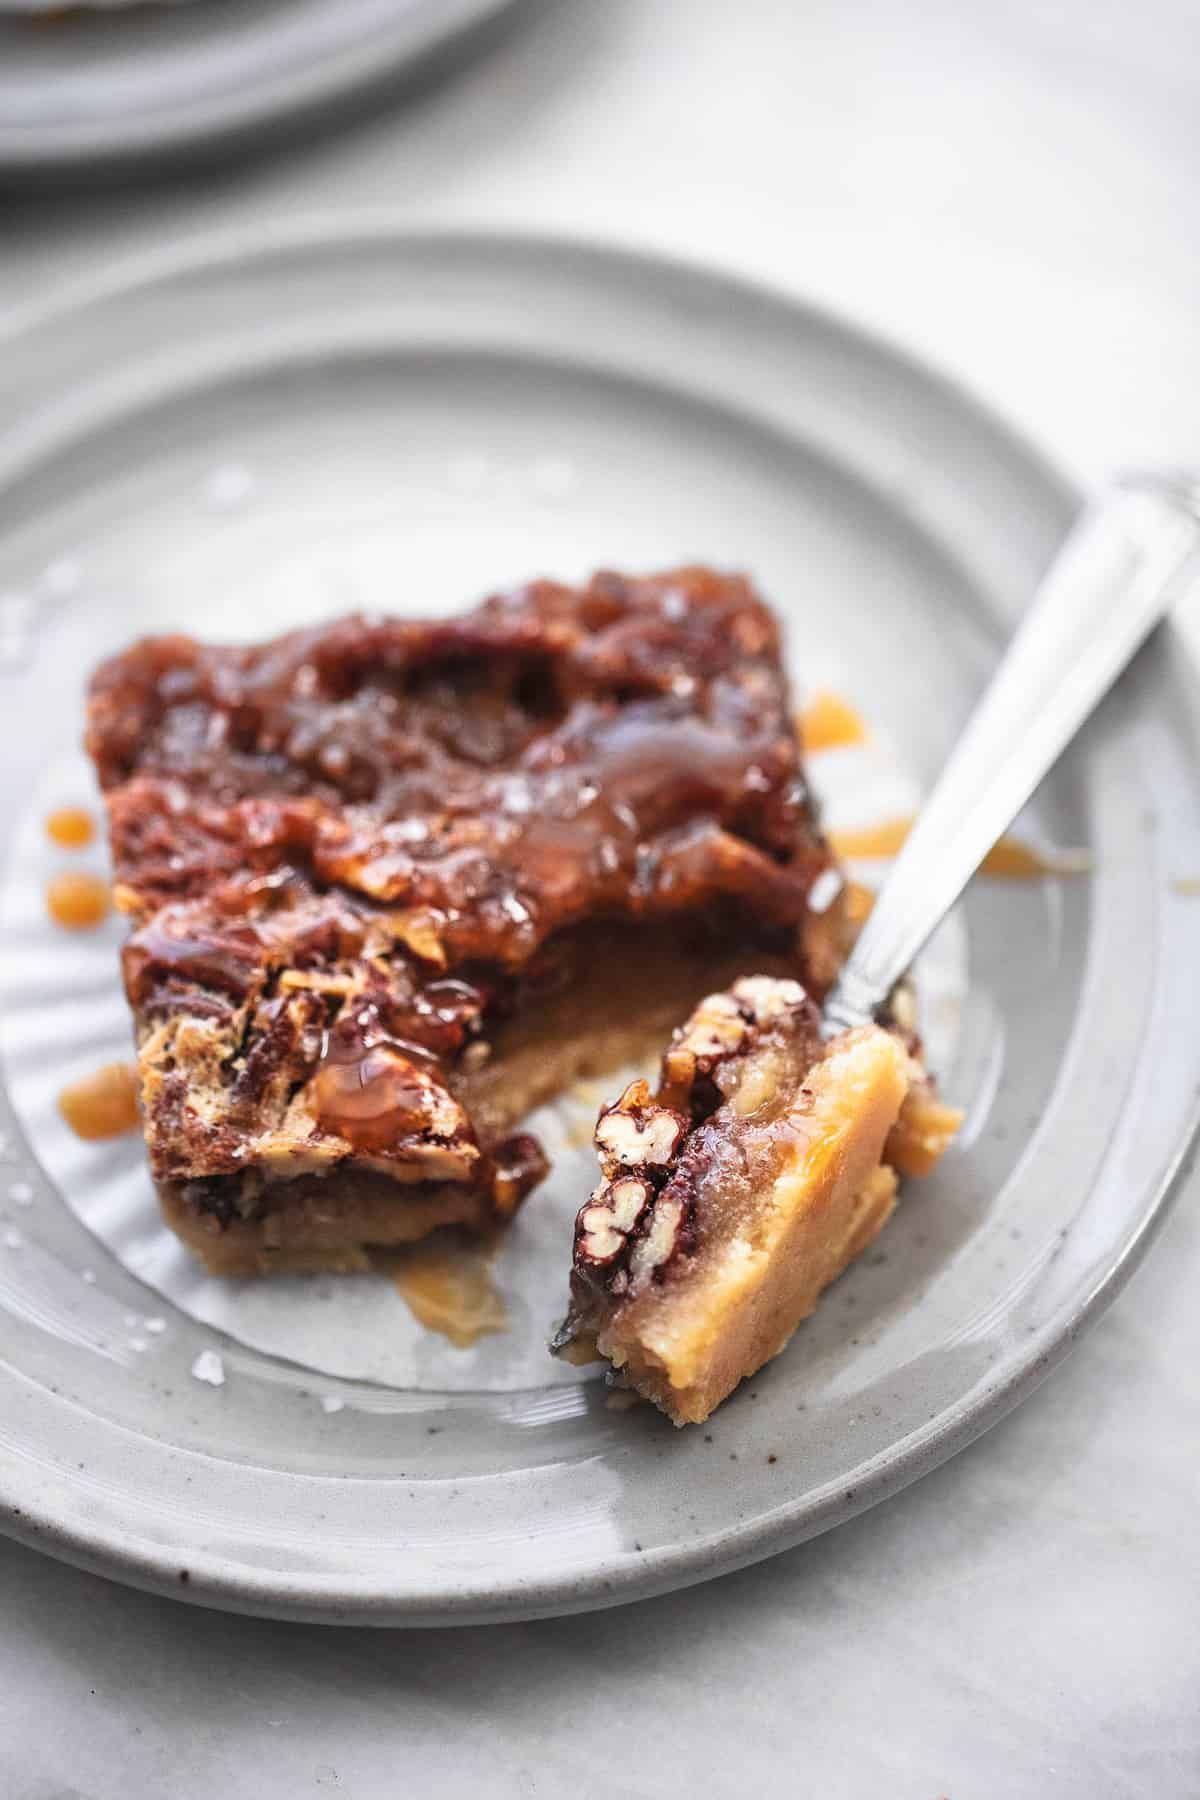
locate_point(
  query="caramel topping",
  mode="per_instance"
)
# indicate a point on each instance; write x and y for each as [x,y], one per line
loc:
[1009,859]
[449,1288]
[225,956]
[70,827]
[830,723]
[78,901]
[484,781]
[103,1105]
[369,1093]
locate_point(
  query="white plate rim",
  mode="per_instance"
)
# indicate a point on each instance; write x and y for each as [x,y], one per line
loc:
[62,1532]
[373,51]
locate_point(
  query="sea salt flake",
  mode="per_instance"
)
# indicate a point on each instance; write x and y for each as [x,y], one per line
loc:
[209,1367]
[229,485]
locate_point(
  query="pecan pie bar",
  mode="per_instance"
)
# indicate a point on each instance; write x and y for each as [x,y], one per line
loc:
[763,1163]
[394,883]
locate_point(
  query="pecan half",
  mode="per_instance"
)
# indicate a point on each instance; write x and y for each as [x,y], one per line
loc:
[604,1224]
[637,1133]
[767,999]
[665,1234]
[637,1142]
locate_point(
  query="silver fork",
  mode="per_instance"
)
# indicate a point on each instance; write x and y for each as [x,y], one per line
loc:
[1131,555]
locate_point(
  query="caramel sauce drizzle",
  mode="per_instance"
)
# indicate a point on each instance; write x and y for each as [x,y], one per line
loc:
[830,723]
[857,901]
[1013,860]
[1009,859]
[449,1288]
[78,901]
[367,1093]
[102,1105]
[871,841]
[70,827]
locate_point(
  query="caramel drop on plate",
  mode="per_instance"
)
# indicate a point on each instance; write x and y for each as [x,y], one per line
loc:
[857,901]
[829,723]
[103,1105]
[621,1400]
[449,1289]
[78,901]
[1009,859]
[71,828]
[881,840]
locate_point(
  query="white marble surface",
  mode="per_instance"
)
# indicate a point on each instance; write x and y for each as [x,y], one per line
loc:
[1011,191]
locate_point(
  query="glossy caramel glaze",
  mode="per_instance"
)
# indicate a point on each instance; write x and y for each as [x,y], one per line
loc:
[624,747]
[1009,859]
[449,1288]
[367,1091]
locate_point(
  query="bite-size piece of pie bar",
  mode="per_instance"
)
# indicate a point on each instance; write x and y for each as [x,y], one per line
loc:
[762,1164]
[394,883]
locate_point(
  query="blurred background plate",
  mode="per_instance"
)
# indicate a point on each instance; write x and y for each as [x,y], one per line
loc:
[85,89]
[270,430]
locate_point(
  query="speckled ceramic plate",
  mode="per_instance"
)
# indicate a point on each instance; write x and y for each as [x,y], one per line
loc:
[272,431]
[132,84]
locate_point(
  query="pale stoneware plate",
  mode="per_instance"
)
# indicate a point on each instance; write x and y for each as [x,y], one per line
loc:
[266,432]
[136,84]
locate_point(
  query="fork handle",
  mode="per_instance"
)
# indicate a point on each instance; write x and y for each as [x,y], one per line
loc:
[1129,557]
